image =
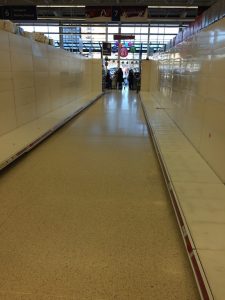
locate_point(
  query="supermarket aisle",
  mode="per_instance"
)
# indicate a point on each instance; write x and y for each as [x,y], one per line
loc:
[86,214]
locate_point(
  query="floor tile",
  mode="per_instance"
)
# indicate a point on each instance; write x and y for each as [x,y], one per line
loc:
[89,216]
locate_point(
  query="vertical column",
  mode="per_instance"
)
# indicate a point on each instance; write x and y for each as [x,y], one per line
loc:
[140,57]
[118,47]
[72,40]
[148,40]
[106,33]
[60,35]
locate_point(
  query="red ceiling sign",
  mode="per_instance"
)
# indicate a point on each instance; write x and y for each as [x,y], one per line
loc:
[123,37]
[98,12]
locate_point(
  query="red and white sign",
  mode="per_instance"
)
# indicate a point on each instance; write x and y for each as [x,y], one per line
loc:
[123,37]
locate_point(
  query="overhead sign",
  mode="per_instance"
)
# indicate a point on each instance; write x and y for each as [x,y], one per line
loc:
[18,12]
[98,13]
[134,13]
[106,49]
[116,11]
[116,14]
[123,37]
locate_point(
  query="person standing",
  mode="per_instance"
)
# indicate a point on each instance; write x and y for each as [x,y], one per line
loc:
[131,79]
[120,78]
[108,80]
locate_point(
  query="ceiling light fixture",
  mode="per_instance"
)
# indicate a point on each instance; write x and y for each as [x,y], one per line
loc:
[61,19]
[171,19]
[173,6]
[60,6]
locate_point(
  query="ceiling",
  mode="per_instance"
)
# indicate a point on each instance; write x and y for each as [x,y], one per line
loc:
[108,2]
[164,14]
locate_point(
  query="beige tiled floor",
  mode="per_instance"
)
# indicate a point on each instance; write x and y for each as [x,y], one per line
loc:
[86,215]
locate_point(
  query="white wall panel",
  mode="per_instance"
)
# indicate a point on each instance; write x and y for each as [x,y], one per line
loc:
[23,79]
[4,37]
[21,62]
[192,89]
[20,44]
[36,79]
[43,100]
[7,112]
[6,83]
[5,65]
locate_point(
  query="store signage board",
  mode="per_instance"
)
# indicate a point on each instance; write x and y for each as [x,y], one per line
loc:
[123,37]
[98,13]
[18,12]
[116,14]
[116,11]
[132,13]
[106,49]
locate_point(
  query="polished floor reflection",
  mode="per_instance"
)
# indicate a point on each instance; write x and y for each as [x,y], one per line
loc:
[86,214]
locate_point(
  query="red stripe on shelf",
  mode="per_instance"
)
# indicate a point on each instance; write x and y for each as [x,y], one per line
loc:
[199,278]
[198,275]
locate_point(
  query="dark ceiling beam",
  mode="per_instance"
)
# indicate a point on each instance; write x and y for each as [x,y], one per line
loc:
[157,15]
[108,2]
[170,15]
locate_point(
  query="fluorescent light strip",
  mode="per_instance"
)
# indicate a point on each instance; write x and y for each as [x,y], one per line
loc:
[60,19]
[171,20]
[174,6]
[58,6]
